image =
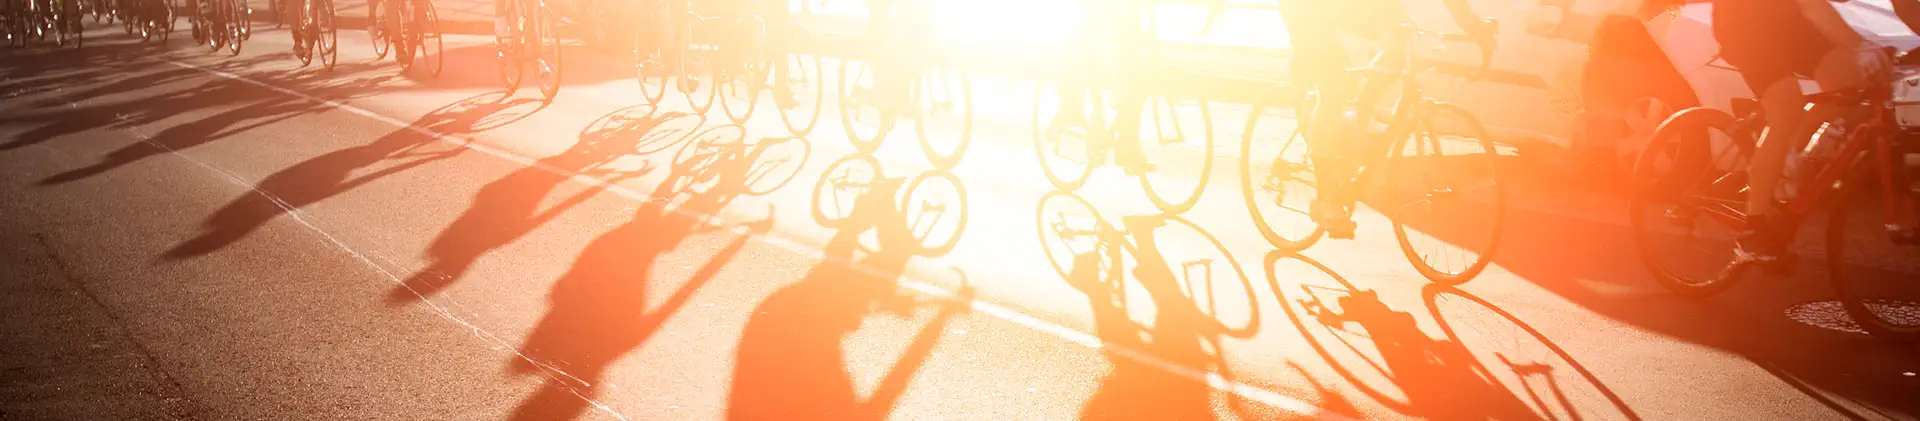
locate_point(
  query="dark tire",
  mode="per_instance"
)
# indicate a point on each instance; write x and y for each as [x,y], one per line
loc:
[865,131]
[1172,197]
[1669,173]
[1069,172]
[945,102]
[809,87]
[1883,301]
[327,37]
[1281,215]
[432,51]
[1444,182]
[378,13]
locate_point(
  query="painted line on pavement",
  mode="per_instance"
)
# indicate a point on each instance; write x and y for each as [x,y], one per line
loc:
[1211,379]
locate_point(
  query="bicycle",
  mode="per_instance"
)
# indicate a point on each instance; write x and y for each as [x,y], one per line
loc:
[222,23]
[924,208]
[531,28]
[1693,171]
[150,19]
[749,65]
[65,19]
[938,102]
[1090,252]
[418,30]
[1419,142]
[1072,141]
[316,35]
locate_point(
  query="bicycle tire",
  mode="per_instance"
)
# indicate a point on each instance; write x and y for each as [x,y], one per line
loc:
[1250,185]
[509,49]
[549,68]
[801,123]
[1471,135]
[1666,141]
[1852,290]
[930,115]
[432,50]
[377,15]
[737,93]
[1064,179]
[852,103]
[692,87]
[246,19]
[906,207]
[235,34]
[328,35]
[827,178]
[648,66]
[1206,155]
[404,39]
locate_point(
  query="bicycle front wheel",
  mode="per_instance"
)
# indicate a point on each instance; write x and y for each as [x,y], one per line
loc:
[377,15]
[547,66]
[1878,279]
[1685,203]
[944,123]
[866,125]
[649,65]
[1064,137]
[432,52]
[1276,173]
[1179,132]
[326,41]
[1445,195]
[806,86]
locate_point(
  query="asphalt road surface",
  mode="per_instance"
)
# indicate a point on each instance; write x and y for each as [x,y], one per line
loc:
[189,235]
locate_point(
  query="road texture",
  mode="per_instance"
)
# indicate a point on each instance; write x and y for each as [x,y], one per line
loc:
[197,236]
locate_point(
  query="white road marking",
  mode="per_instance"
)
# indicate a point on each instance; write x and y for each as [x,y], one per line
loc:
[1211,379]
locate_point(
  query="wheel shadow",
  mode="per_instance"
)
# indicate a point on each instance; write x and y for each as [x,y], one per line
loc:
[598,311]
[1493,366]
[792,359]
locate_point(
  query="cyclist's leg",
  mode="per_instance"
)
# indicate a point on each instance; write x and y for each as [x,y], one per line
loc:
[1771,57]
[1320,63]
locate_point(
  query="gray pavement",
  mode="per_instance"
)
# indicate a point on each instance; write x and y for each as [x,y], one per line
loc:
[196,236]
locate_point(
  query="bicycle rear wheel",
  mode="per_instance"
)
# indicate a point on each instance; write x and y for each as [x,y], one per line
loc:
[509,49]
[803,79]
[377,15]
[548,65]
[236,32]
[1445,196]
[326,40]
[944,123]
[866,125]
[649,67]
[1182,129]
[432,52]
[1878,280]
[1067,156]
[700,95]
[738,87]
[1276,171]
[1686,202]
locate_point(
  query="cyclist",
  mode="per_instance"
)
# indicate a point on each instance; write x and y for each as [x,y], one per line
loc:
[1773,43]
[1320,63]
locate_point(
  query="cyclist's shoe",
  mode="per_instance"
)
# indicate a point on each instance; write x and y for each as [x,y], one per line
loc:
[1332,216]
[1764,243]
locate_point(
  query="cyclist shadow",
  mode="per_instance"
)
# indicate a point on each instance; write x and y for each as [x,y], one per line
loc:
[598,309]
[1185,327]
[792,357]
[331,174]
[1517,374]
[512,206]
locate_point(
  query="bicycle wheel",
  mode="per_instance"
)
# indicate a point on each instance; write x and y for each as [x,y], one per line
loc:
[508,49]
[700,94]
[327,38]
[802,79]
[245,21]
[944,124]
[1276,171]
[236,33]
[1877,278]
[548,65]
[935,207]
[649,67]
[738,89]
[432,52]
[377,15]
[1444,195]
[1181,129]
[855,174]
[866,126]
[1065,142]
[1686,198]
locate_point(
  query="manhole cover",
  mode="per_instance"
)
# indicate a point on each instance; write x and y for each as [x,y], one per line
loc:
[1830,315]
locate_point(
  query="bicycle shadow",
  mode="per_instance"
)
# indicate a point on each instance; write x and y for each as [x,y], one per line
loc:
[1183,316]
[792,355]
[1386,355]
[598,309]
[512,206]
[331,174]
